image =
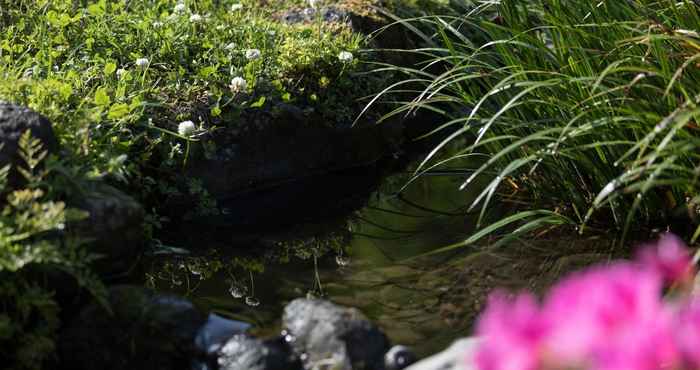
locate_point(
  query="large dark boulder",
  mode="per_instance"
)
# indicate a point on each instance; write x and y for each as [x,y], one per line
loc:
[145,330]
[271,150]
[278,146]
[325,334]
[15,120]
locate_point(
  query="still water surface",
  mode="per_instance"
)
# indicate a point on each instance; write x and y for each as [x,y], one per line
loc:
[374,259]
[365,259]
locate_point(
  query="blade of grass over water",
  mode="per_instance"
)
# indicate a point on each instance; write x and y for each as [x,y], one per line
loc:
[588,110]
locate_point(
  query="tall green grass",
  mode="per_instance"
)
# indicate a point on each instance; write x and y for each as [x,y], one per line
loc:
[585,112]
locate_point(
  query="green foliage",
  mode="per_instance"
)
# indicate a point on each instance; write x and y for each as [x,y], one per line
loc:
[31,241]
[28,324]
[586,111]
[76,63]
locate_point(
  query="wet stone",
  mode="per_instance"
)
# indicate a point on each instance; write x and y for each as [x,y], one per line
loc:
[398,358]
[326,335]
[243,352]
[216,331]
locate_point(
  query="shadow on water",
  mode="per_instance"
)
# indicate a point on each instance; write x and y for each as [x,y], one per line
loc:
[356,247]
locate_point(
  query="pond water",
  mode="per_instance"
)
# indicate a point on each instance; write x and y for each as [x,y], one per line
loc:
[373,258]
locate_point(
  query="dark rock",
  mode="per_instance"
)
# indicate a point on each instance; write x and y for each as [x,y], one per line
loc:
[329,14]
[242,352]
[390,38]
[259,161]
[114,228]
[399,357]
[14,121]
[145,330]
[324,334]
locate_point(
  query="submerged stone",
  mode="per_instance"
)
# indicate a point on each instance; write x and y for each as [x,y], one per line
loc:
[326,335]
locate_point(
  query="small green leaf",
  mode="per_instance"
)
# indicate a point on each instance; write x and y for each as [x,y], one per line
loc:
[136,103]
[259,103]
[53,18]
[101,97]
[65,90]
[216,111]
[110,68]
[96,9]
[118,111]
[206,71]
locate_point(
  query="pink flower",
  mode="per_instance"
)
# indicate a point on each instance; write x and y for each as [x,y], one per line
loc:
[669,258]
[512,331]
[687,330]
[608,317]
[646,345]
[590,311]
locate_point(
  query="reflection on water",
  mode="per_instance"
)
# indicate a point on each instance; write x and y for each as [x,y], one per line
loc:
[372,259]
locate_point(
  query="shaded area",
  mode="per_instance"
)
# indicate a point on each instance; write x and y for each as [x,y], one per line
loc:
[371,256]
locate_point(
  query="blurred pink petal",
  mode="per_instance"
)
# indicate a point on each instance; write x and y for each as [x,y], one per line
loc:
[687,331]
[590,308]
[512,331]
[669,257]
[608,317]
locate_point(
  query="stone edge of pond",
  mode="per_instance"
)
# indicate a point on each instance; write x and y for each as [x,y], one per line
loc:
[144,329]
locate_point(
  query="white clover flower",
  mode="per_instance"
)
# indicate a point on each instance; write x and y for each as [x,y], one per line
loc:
[238,84]
[230,46]
[186,128]
[121,72]
[236,7]
[345,56]
[196,18]
[180,8]
[252,54]
[157,24]
[142,63]
[314,3]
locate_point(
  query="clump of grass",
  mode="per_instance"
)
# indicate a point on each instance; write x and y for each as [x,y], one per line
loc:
[119,77]
[586,112]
